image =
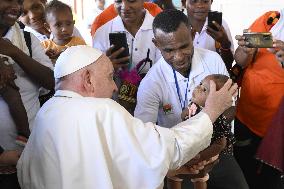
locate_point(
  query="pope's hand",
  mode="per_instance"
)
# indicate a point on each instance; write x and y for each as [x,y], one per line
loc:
[218,101]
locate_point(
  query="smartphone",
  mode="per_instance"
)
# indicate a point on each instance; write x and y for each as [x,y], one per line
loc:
[214,16]
[259,39]
[118,39]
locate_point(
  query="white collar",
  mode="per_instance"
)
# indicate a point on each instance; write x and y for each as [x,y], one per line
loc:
[196,68]
[118,25]
[204,26]
[67,93]
[38,35]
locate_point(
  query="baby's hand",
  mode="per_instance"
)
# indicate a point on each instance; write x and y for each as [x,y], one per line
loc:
[188,112]
[52,54]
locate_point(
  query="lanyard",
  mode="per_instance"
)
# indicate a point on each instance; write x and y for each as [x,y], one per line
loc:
[182,103]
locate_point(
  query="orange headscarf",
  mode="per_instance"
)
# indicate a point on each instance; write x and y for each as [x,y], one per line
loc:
[110,13]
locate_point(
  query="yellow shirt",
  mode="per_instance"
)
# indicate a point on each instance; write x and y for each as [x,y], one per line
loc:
[49,44]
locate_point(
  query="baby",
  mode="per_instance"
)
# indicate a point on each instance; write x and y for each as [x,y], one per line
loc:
[60,22]
[11,95]
[221,127]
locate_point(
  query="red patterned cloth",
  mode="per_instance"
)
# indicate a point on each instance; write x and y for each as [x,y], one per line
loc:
[271,149]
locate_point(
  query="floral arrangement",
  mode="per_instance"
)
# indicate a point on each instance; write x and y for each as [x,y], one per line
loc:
[167,108]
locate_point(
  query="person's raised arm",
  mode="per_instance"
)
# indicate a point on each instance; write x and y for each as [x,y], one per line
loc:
[36,71]
[244,55]
[225,41]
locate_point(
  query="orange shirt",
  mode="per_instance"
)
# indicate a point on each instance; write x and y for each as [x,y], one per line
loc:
[49,44]
[109,13]
[262,86]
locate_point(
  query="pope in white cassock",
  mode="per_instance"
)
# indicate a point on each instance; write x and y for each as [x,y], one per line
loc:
[84,140]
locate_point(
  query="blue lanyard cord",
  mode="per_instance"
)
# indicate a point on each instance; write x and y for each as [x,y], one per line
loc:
[182,105]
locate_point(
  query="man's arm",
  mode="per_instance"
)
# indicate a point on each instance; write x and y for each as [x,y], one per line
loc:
[243,54]
[38,72]
[148,101]
[223,36]
[9,157]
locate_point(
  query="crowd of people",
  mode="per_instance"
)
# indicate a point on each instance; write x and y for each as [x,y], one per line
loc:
[159,117]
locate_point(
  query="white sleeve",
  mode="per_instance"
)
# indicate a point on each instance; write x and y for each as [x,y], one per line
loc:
[220,66]
[148,101]
[38,53]
[101,39]
[171,147]
[191,137]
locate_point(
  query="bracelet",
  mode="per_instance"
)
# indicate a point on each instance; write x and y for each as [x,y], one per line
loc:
[203,179]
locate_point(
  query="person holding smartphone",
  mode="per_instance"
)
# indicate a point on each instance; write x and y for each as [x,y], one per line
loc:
[127,40]
[258,105]
[217,39]
[134,20]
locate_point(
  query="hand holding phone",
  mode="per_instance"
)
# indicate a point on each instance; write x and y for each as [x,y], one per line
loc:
[119,40]
[214,16]
[258,39]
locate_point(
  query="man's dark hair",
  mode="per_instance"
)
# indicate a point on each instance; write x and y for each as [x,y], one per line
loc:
[55,6]
[169,20]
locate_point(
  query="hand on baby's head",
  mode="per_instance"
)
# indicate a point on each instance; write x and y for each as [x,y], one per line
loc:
[201,93]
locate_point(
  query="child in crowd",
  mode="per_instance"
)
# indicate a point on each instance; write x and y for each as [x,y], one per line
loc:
[10,93]
[221,127]
[60,22]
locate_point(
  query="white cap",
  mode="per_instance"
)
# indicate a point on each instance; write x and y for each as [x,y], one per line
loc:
[75,58]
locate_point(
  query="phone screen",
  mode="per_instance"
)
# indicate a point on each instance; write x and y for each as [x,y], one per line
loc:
[259,39]
[119,40]
[214,16]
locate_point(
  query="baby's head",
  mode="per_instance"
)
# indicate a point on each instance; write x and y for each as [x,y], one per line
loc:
[201,92]
[59,20]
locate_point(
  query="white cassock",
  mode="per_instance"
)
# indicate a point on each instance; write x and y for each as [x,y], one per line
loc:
[91,143]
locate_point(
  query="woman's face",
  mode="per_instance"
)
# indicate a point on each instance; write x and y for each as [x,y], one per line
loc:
[33,14]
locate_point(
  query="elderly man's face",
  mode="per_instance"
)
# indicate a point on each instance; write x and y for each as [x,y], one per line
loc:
[176,47]
[101,73]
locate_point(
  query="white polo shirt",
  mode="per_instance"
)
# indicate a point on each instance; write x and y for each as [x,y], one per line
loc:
[203,40]
[138,44]
[157,90]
